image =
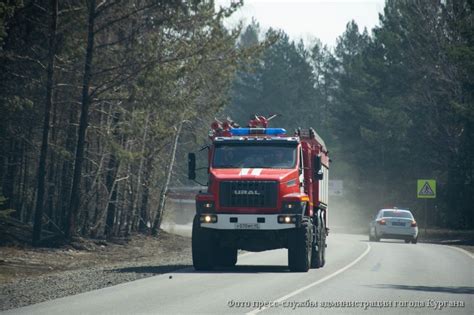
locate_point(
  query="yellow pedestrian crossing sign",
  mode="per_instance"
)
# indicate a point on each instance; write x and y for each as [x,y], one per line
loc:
[426,188]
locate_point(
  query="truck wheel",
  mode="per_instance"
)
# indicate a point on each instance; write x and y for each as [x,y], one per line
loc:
[300,248]
[318,258]
[202,247]
[226,257]
[322,245]
[315,261]
[315,257]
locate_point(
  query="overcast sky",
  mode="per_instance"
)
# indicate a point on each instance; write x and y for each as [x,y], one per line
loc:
[307,19]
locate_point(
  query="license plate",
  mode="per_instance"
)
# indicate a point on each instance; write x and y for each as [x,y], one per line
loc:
[247,226]
[398,223]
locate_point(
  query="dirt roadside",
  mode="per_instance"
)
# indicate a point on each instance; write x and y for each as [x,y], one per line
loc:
[30,275]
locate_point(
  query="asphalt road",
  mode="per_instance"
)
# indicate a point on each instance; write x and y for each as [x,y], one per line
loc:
[359,277]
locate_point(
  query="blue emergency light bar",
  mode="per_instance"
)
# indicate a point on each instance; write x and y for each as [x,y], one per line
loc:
[257,131]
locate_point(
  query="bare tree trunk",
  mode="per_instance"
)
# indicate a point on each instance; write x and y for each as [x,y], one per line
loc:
[81,135]
[47,112]
[135,215]
[122,196]
[128,204]
[67,169]
[26,186]
[22,155]
[13,161]
[122,206]
[164,191]
[101,218]
[112,170]
[143,225]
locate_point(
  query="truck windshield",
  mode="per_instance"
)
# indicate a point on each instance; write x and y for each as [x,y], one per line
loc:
[254,156]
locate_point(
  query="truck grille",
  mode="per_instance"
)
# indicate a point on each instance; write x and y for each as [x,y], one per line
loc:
[248,194]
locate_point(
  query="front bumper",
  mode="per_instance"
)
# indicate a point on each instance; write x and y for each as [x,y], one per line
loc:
[251,222]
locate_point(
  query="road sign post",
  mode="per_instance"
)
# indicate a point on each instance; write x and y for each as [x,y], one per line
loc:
[425,224]
[426,189]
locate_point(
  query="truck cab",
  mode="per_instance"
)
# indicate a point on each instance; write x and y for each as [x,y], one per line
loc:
[266,190]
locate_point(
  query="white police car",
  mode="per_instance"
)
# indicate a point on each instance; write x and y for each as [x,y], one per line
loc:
[394,224]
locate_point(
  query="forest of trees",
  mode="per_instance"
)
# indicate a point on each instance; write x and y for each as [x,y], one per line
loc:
[394,105]
[96,95]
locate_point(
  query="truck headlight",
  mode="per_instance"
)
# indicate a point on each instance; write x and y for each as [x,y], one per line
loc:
[287,219]
[205,206]
[208,218]
[295,207]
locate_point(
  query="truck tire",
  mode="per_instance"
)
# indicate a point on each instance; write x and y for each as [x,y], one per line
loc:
[323,244]
[314,252]
[318,257]
[226,257]
[315,260]
[300,248]
[202,247]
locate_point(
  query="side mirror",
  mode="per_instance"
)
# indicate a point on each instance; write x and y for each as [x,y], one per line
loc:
[318,172]
[191,166]
[320,175]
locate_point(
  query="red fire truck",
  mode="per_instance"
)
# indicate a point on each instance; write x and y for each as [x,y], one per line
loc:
[266,190]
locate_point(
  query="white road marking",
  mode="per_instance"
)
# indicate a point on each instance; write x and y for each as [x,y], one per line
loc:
[258,310]
[256,171]
[462,251]
[244,171]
